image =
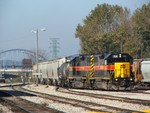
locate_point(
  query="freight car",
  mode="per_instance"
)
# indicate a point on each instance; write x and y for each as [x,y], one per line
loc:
[48,71]
[136,69]
[141,70]
[145,70]
[101,71]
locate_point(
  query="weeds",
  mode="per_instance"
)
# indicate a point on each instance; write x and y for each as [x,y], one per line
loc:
[1,110]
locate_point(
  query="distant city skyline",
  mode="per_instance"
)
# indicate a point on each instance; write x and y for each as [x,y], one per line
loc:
[60,18]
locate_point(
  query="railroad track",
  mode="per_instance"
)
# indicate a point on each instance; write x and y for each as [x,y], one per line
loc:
[140,91]
[22,105]
[60,99]
[84,104]
[10,105]
[108,97]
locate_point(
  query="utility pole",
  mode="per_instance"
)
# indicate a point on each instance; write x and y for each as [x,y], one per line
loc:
[121,46]
[54,45]
[121,43]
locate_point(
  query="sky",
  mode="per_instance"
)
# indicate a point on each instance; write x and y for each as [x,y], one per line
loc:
[59,17]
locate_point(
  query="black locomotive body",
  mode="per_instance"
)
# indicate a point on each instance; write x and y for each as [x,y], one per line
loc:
[110,71]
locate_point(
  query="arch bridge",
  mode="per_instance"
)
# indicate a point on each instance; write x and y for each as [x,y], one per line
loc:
[11,61]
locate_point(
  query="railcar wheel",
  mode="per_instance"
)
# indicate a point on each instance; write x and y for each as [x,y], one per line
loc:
[118,87]
[62,84]
[47,82]
[131,87]
[70,83]
[54,82]
[67,84]
[42,81]
[50,82]
[37,81]
[109,86]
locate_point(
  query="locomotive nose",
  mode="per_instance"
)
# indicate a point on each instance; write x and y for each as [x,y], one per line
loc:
[122,70]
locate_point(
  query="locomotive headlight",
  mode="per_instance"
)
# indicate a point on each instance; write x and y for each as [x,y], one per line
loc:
[131,79]
[119,55]
[116,79]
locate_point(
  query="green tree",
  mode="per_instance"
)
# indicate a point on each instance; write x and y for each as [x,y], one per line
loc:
[141,28]
[103,29]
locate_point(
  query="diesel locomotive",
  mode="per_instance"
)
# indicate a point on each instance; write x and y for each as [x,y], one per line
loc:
[100,71]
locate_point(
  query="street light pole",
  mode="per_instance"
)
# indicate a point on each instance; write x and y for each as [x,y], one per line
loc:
[37,59]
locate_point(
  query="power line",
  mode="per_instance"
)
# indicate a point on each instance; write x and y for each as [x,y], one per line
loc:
[54,45]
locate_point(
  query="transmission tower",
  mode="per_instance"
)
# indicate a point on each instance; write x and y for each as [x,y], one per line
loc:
[54,45]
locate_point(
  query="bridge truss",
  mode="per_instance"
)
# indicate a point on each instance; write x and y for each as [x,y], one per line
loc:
[14,57]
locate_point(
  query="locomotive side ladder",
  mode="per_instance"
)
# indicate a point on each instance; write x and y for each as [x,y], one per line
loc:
[91,66]
[91,69]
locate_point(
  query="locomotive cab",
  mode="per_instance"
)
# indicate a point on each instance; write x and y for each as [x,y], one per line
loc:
[122,75]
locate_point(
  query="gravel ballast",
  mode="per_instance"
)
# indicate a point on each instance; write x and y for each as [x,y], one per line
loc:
[68,108]
[5,109]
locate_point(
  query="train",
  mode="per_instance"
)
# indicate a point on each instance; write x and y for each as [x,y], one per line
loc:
[111,71]
[145,69]
[141,70]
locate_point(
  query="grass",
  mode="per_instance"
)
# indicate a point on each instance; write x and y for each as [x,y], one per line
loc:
[1,110]
[17,79]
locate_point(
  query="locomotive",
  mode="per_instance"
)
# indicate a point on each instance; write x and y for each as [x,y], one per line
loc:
[100,71]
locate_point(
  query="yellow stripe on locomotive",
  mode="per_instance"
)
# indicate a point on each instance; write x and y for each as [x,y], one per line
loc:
[122,70]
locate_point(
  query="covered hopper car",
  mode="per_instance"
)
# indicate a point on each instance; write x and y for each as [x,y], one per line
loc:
[141,70]
[145,70]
